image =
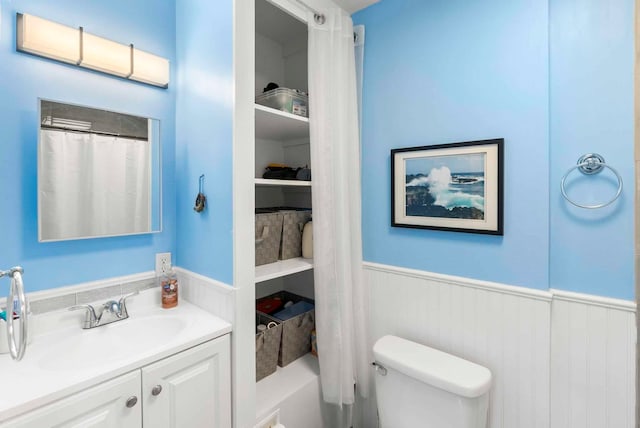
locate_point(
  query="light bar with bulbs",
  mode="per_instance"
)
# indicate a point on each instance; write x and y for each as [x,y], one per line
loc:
[51,40]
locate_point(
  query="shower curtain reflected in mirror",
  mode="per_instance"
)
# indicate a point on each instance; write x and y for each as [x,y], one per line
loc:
[93,185]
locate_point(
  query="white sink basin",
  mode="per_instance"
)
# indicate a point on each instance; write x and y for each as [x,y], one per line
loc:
[111,342]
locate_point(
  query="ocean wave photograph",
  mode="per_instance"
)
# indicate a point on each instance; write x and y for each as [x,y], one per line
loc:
[446,186]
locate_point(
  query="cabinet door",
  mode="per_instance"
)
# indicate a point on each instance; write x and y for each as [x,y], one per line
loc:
[103,406]
[190,389]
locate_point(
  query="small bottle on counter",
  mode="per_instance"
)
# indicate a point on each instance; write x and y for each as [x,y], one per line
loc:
[169,289]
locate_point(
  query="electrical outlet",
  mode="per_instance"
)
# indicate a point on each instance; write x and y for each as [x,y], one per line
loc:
[163,263]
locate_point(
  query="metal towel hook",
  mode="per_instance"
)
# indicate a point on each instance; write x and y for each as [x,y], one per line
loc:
[589,164]
[201,199]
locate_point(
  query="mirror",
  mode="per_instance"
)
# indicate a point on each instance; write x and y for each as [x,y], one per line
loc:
[98,173]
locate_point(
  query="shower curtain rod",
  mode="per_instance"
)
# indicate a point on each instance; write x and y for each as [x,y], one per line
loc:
[81,131]
[317,16]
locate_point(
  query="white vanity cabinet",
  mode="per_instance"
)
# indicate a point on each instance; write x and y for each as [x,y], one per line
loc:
[102,406]
[189,389]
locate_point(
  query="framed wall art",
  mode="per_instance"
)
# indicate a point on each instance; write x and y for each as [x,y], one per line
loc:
[456,187]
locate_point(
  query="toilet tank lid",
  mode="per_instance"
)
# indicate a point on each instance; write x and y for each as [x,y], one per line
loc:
[433,367]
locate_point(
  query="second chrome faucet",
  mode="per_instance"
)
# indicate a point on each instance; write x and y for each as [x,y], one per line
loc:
[107,313]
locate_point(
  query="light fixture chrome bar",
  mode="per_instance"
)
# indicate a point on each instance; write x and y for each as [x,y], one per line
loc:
[317,16]
[81,41]
[132,61]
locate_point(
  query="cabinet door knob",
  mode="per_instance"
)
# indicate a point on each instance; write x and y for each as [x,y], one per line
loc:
[131,401]
[156,390]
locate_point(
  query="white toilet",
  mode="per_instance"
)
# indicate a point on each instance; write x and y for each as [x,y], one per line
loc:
[421,387]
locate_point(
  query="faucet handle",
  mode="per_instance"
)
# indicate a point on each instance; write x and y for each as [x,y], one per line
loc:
[123,304]
[91,318]
[88,308]
[113,307]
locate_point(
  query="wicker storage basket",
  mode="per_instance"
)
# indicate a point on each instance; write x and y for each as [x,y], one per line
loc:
[267,346]
[268,234]
[296,331]
[292,225]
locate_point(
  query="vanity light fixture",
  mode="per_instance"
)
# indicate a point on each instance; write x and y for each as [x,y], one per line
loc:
[49,39]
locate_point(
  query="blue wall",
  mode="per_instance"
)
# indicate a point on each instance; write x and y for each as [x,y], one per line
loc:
[592,55]
[205,136]
[447,71]
[555,80]
[25,78]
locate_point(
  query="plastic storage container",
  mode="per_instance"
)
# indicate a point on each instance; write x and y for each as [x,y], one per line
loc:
[289,100]
[169,289]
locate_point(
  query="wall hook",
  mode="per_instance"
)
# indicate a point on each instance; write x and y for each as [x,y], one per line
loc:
[200,199]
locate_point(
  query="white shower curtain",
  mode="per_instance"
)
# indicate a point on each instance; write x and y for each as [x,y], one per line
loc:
[92,185]
[341,301]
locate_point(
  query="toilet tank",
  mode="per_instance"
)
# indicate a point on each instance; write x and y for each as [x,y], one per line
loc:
[418,386]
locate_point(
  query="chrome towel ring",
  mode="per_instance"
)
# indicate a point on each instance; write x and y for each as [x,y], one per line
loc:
[589,164]
[16,289]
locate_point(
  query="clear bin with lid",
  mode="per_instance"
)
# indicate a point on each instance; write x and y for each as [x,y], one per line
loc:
[284,99]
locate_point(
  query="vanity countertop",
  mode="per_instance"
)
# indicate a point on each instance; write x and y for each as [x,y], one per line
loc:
[64,359]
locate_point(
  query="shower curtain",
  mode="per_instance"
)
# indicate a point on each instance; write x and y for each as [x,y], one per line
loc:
[92,185]
[341,301]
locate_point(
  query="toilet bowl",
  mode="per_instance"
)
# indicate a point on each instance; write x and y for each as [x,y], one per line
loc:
[418,386]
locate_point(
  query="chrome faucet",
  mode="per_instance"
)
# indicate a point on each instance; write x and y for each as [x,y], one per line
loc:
[110,311]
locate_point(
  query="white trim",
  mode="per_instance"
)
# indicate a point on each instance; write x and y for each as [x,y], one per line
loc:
[588,299]
[290,183]
[291,8]
[89,286]
[529,293]
[213,296]
[282,268]
[243,339]
[221,287]
[280,113]
[121,280]
[552,294]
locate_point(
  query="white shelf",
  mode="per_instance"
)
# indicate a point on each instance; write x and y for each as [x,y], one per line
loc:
[282,268]
[290,183]
[278,125]
[286,381]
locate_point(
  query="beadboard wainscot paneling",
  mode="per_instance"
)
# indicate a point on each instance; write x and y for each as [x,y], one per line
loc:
[506,329]
[558,359]
[213,296]
[593,351]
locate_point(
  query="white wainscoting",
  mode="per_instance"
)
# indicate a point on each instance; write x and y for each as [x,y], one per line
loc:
[213,296]
[593,348]
[510,330]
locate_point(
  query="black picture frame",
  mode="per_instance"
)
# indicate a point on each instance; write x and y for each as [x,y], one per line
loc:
[455,187]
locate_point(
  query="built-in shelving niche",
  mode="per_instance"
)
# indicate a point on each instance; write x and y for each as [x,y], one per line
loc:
[281,57]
